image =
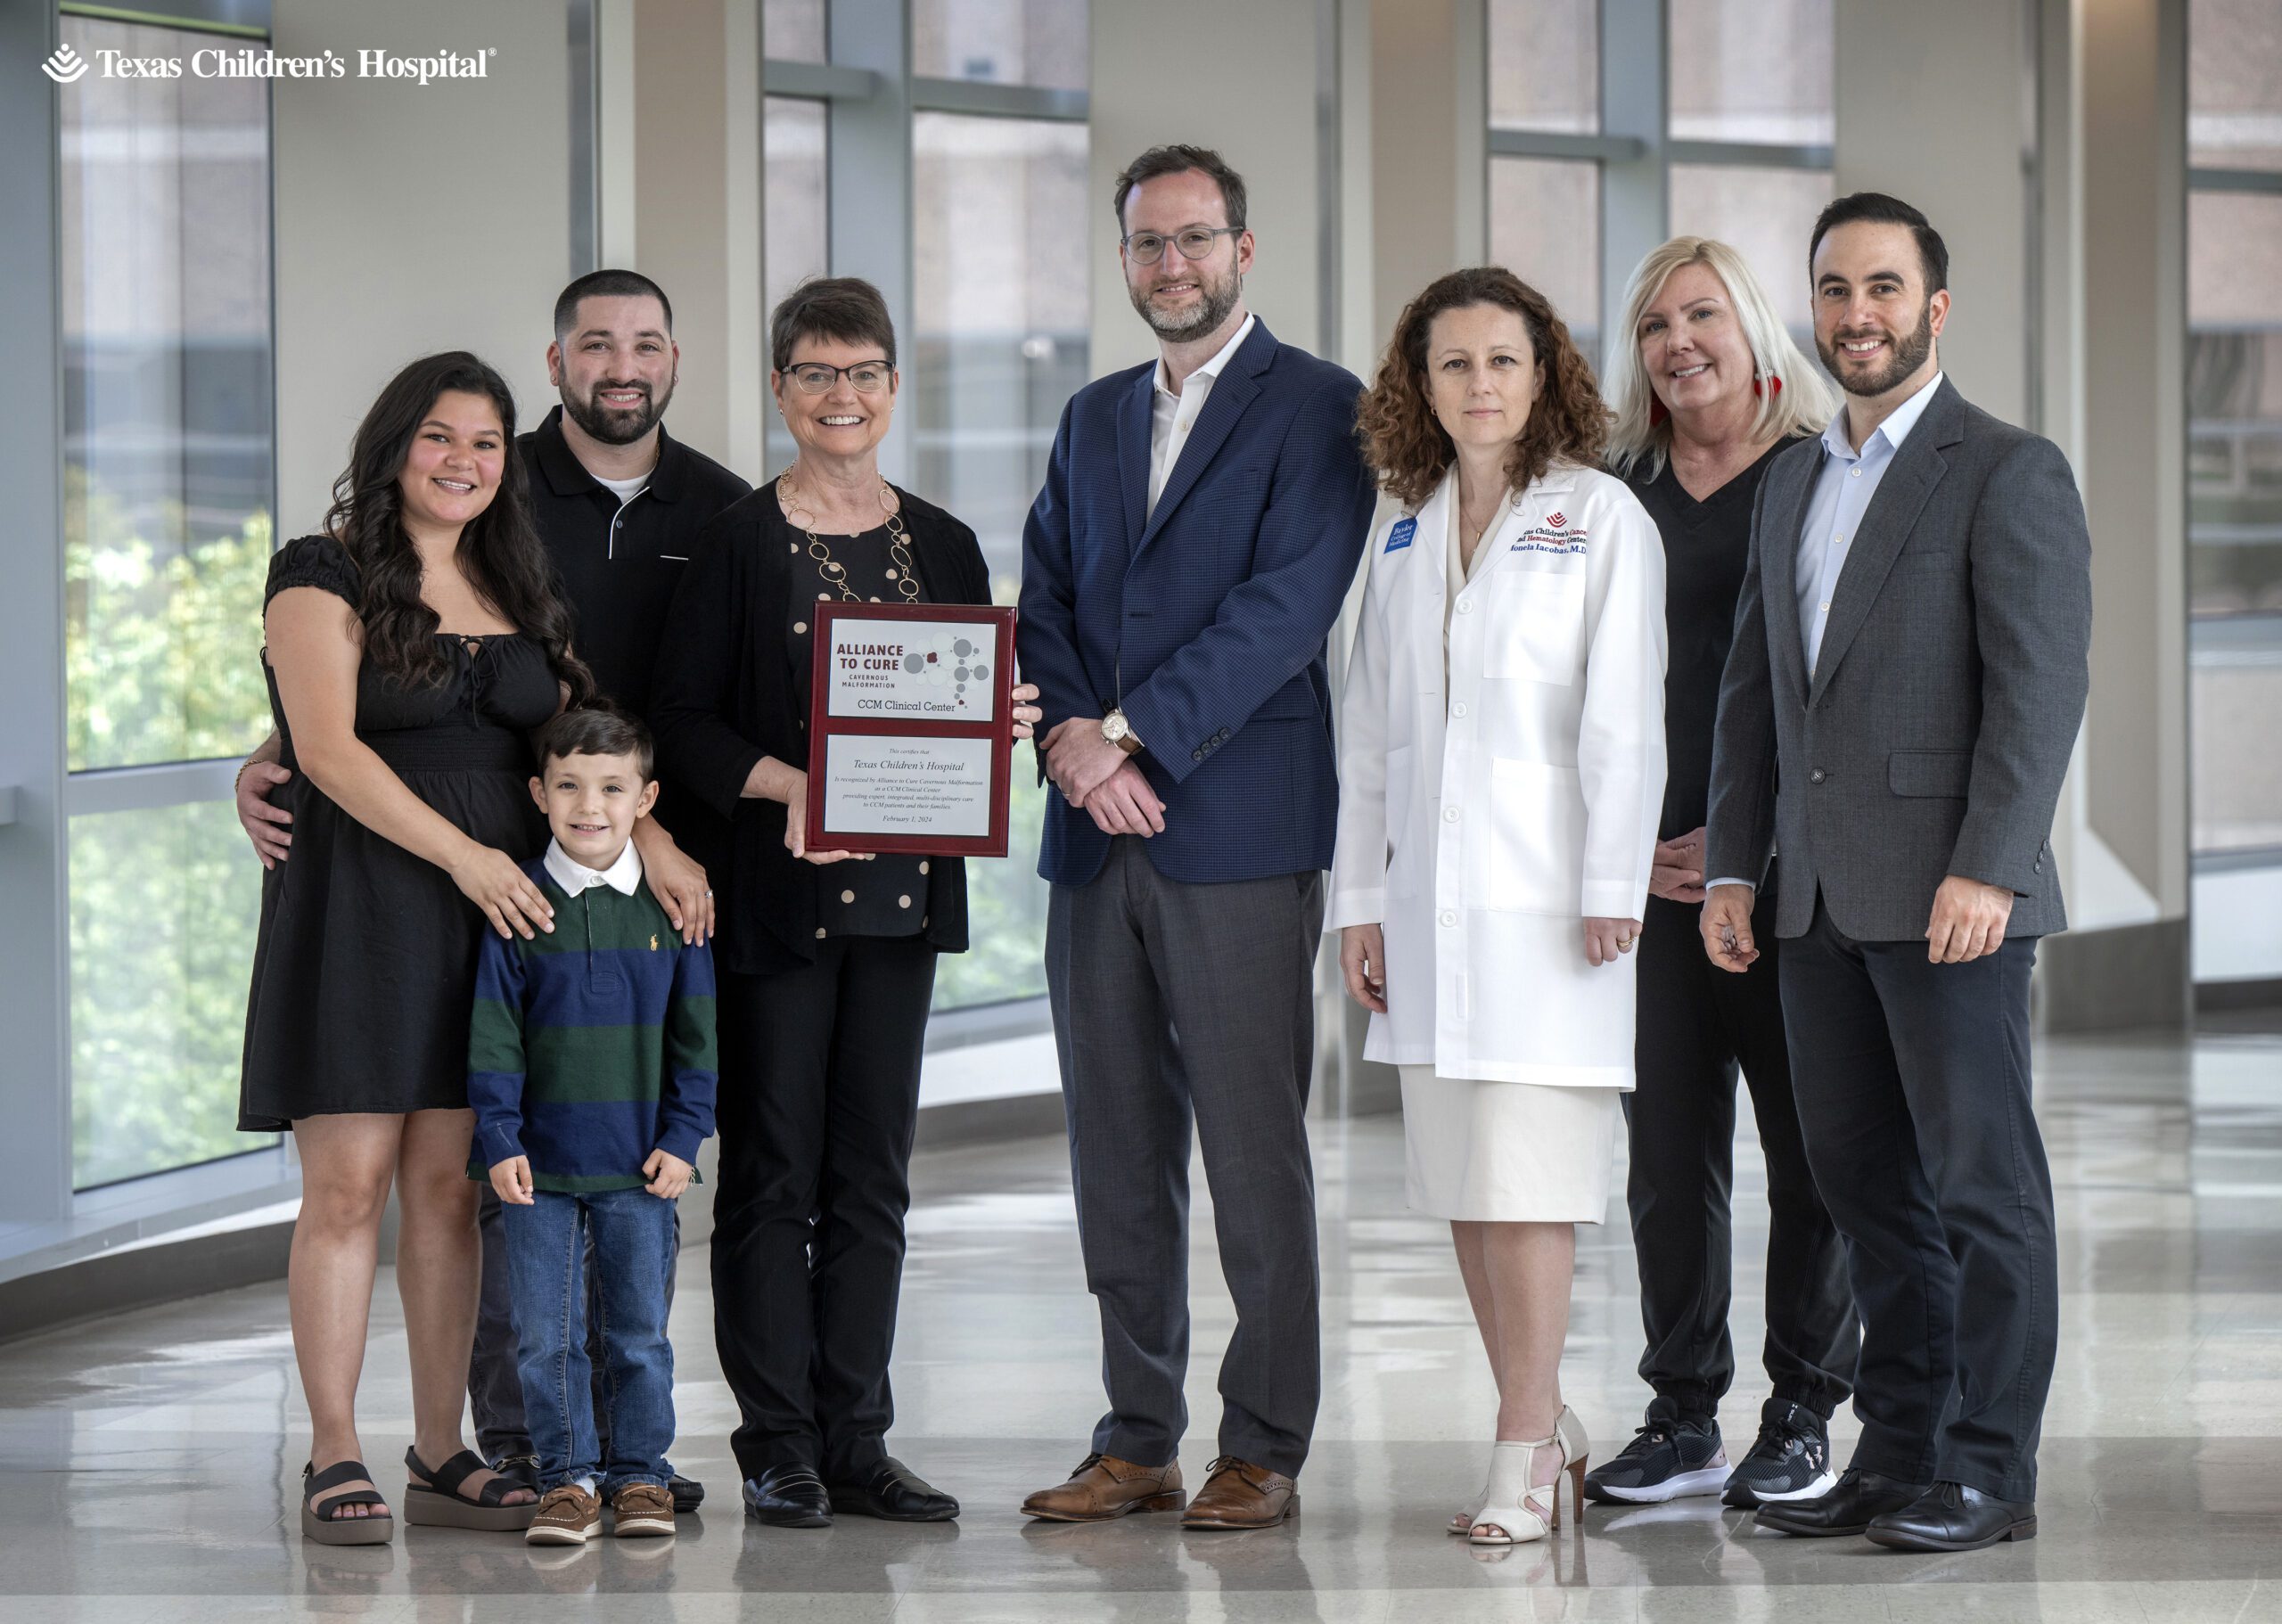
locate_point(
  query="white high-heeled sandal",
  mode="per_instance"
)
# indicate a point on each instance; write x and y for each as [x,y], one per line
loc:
[1514,1510]
[1462,1522]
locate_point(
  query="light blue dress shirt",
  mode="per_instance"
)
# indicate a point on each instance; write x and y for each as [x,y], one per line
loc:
[1842,495]
[1843,492]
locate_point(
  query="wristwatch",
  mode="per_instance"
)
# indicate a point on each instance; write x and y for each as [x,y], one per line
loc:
[1119,732]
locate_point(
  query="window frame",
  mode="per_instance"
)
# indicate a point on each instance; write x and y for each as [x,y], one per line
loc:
[148,786]
[1635,149]
[2235,181]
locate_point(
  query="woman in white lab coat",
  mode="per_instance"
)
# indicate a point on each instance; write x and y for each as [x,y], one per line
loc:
[1501,772]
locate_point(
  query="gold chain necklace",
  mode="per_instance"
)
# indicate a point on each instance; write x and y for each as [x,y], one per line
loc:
[836,573]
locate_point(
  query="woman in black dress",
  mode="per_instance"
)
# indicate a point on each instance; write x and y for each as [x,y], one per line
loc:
[825,966]
[1708,390]
[410,648]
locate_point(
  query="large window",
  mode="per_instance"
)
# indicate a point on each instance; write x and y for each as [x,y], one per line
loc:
[1603,144]
[2234,411]
[166,306]
[1000,221]
[1545,195]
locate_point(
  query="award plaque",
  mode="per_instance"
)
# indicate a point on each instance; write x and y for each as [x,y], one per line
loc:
[909,747]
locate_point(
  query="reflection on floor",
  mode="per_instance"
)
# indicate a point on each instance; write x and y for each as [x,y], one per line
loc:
[147,1463]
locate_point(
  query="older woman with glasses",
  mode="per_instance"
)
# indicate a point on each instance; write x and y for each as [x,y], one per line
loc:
[826,965]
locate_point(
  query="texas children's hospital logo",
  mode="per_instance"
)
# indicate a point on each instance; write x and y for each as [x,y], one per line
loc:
[68,67]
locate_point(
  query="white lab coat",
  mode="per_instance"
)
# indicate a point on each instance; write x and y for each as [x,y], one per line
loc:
[1481,829]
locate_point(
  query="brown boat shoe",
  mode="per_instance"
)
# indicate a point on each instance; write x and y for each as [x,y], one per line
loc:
[1237,1494]
[640,1510]
[567,1515]
[1104,1487]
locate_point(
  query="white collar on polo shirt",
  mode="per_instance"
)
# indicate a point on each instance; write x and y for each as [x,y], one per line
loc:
[623,876]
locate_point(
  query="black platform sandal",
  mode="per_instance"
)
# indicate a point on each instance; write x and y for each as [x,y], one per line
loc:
[437,1503]
[324,1522]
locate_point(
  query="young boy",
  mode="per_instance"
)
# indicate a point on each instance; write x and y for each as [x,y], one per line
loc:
[591,1069]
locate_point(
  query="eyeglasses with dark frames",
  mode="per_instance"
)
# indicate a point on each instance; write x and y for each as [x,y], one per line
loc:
[1194,242]
[815,377]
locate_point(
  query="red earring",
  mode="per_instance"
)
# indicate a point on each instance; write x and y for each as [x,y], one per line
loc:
[1773,385]
[1656,412]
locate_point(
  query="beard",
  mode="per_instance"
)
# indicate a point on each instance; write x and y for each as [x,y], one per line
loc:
[616,425]
[1908,354]
[1219,298]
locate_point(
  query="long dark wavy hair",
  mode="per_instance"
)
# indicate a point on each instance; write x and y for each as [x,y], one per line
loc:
[499,550]
[1404,441]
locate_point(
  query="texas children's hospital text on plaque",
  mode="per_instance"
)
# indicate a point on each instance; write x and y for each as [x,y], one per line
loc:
[908,746]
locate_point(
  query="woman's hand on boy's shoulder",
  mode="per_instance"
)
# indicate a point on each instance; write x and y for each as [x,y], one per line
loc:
[669,1174]
[678,883]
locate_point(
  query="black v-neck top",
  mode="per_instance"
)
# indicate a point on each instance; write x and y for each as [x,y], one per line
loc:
[1707,545]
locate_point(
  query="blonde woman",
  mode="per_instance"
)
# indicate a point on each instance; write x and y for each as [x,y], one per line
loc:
[1708,390]
[1500,765]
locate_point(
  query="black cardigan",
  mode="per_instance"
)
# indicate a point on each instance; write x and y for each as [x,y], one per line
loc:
[724,696]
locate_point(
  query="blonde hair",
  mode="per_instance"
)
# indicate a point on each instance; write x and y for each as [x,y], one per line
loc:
[1804,404]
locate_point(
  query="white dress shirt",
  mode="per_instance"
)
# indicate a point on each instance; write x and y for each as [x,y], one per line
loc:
[1172,416]
[1842,495]
[623,876]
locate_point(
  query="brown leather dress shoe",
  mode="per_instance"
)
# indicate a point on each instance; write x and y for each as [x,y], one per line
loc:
[1104,1487]
[1237,1494]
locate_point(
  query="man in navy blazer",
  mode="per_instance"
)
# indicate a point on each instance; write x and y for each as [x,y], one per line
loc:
[1201,519]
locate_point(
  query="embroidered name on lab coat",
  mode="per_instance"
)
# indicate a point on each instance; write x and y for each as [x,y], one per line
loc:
[1557,539]
[1400,536]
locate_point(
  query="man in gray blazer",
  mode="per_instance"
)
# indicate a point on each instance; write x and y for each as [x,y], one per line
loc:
[1908,673]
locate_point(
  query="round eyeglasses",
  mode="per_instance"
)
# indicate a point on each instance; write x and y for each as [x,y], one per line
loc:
[1194,242]
[815,377]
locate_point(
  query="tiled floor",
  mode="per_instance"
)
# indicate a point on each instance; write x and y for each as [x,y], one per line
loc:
[147,1463]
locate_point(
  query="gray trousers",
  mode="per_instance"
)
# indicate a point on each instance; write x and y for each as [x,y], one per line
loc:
[1175,1002]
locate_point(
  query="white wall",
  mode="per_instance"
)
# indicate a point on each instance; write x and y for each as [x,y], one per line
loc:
[412,219]
[1238,75]
[1931,107]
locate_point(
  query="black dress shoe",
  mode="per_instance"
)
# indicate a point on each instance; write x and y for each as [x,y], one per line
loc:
[791,1496]
[1952,1517]
[687,1492]
[1847,1509]
[894,1493]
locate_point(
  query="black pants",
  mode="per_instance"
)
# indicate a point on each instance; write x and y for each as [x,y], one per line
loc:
[494,1392]
[819,1100]
[1697,1025]
[1914,1094]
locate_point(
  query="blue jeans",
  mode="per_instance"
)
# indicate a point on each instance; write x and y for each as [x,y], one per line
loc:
[632,1233]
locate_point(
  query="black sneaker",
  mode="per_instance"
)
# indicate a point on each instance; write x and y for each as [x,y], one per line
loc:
[1670,1455]
[1790,1460]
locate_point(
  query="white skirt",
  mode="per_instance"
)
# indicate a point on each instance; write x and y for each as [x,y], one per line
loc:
[1508,1152]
